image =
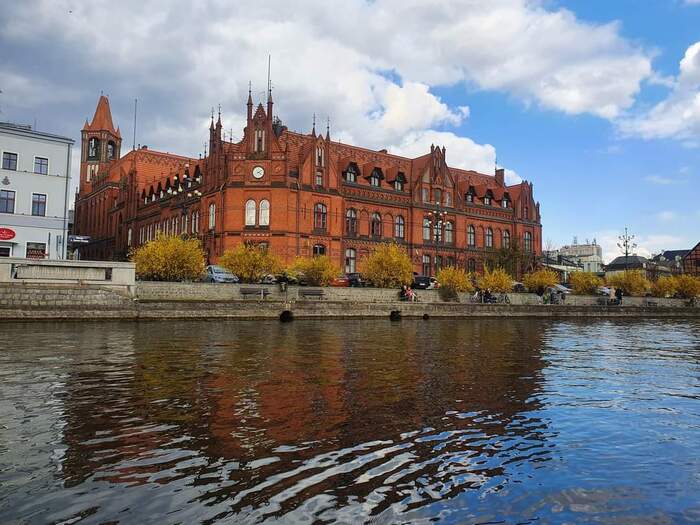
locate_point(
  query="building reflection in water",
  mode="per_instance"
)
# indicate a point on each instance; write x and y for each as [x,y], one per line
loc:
[330,419]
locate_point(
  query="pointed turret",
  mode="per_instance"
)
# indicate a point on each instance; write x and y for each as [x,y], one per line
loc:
[250,102]
[328,129]
[313,128]
[102,120]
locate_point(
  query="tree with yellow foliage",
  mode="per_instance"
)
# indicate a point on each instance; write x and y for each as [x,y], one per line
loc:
[585,283]
[539,280]
[688,286]
[316,271]
[169,258]
[452,281]
[388,266]
[632,282]
[250,262]
[496,280]
[665,286]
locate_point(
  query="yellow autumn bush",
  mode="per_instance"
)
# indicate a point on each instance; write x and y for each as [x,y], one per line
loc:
[316,271]
[388,266]
[452,281]
[633,282]
[585,283]
[169,258]
[250,262]
[539,280]
[665,286]
[497,280]
[687,286]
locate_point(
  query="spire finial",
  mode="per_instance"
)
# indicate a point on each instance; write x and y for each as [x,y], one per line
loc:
[313,129]
[328,128]
[269,83]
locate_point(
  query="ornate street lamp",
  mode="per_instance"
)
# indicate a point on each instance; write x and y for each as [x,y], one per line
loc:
[437,220]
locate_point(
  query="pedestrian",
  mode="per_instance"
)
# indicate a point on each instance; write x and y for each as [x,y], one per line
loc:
[618,296]
[552,296]
[611,295]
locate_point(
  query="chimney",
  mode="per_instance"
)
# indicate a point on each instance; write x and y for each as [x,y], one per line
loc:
[500,176]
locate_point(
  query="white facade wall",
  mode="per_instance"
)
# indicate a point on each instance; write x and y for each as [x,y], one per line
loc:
[51,229]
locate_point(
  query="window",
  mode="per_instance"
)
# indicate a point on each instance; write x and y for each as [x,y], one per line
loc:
[398,182]
[399,226]
[39,204]
[5,251]
[425,194]
[448,199]
[527,213]
[250,213]
[438,263]
[319,156]
[93,148]
[528,242]
[92,172]
[471,236]
[504,203]
[437,230]
[7,201]
[350,260]
[320,216]
[376,225]
[426,229]
[351,173]
[450,262]
[36,250]
[374,178]
[9,161]
[128,236]
[471,265]
[110,150]
[351,222]
[264,212]
[488,238]
[506,239]
[319,249]
[319,178]
[487,200]
[259,140]
[41,165]
[212,216]
[438,196]
[426,265]
[469,197]
[449,232]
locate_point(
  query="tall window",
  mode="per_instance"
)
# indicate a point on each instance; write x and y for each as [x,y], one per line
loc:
[376,225]
[448,199]
[471,236]
[506,239]
[264,212]
[193,223]
[504,202]
[259,140]
[449,232]
[41,165]
[351,173]
[487,200]
[39,204]
[438,263]
[9,161]
[398,183]
[399,227]
[319,249]
[437,230]
[351,222]
[93,148]
[527,213]
[488,240]
[250,213]
[320,216]
[426,229]
[469,197]
[528,242]
[319,178]
[320,159]
[374,178]
[438,196]
[425,194]
[426,265]
[212,216]
[471,265]
[110,150]
[128,237]
[350,260]
[7,201]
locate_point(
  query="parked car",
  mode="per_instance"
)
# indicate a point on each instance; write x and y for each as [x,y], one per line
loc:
[217,274]
[356,280]
[342,282]
[603,290]
[519,287]
[268,279]
[434,284]
[421,282]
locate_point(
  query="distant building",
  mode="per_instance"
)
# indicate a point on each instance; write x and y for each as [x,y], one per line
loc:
[564,266]
[691,261]
[589,256]
[672,259]
[34,192]
[636,262]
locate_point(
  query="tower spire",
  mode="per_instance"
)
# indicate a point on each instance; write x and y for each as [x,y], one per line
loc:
[211,126]
[313,129]
[328,128]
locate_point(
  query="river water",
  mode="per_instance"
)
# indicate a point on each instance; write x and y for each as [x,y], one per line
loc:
[457,421]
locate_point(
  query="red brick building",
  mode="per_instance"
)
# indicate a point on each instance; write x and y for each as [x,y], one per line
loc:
[298,194]
[691,261]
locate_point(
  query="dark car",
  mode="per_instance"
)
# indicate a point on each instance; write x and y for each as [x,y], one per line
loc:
[355,280]
[421,282]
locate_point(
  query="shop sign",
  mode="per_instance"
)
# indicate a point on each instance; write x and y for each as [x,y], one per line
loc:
[7,234]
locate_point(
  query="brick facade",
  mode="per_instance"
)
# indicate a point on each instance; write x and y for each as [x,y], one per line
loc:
[299,194]
[691,262]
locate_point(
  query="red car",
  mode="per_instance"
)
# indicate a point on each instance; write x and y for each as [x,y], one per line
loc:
[342,282]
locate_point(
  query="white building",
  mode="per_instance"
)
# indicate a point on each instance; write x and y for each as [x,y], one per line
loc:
[588,255]
[34,192]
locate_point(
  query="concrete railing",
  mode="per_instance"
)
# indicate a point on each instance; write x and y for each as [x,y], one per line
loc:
[104,274]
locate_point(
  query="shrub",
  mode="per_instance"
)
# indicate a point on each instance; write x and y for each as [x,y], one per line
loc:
[169,258]
[665,286]
[388,266]
[633,282]
[539,280]
[250,262]
[585,283]
[317,271]
[496,280]
[688,286]
[452,281]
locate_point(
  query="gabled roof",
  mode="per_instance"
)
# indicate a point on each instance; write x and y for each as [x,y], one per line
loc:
[102,120]
[631,261]
[670,255]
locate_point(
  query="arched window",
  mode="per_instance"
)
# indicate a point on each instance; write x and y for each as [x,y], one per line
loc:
[471,236]
[350,260]
[488,238]
[449,232]
[376,225]
[399,227]
[110,150]
[320,216]
[319,249]
[212,216]
[351,222]
[426,229]
[506,239]
[528,242]
[471,265]
[264,212]
[250,213]
[93,148]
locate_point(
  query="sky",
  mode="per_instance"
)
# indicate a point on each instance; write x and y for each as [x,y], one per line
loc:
[596,102]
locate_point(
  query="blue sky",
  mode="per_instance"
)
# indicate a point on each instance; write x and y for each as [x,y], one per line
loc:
[596,102]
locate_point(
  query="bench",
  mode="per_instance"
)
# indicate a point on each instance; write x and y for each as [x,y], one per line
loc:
[311,293]
[649,302]
[261,292]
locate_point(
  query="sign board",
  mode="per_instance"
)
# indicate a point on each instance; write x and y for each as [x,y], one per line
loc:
[7,234]
[79,239]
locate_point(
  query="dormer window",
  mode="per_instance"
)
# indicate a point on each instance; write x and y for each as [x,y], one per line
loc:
[487,199]
[504,203]
[399,181]
[469,197]
[351,173]
[374,177]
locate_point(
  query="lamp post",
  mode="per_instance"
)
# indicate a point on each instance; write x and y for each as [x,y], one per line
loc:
[626,244]
[437,217]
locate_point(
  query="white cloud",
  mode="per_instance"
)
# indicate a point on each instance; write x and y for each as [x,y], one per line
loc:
[658,179]
[647,245]
[666,216]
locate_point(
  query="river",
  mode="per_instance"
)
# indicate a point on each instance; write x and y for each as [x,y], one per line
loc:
[456,421]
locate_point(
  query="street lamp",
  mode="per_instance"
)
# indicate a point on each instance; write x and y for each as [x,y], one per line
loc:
[437,219]
[626,245]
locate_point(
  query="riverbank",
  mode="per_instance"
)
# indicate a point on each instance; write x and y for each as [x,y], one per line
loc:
[205,301]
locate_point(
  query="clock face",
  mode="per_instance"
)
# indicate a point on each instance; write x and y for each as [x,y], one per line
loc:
[258,172]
